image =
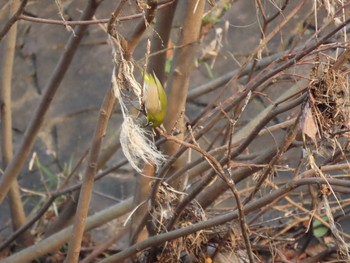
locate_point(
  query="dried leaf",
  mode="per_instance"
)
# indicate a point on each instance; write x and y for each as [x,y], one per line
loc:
[308,124]
[315,249]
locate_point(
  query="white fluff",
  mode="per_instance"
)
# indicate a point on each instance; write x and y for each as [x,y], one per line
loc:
[137,146]
[134,139]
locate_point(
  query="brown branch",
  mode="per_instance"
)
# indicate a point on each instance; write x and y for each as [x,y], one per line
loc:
[267,21]
[16,164]
[141,27]
[49,202]
[343,58]
[256,82]
[54,242]
[156,64]
[261,202]
[127,49]
[288,140]
[85,22]
[226,178]
[111,22]
[69,209]
[250,87]
[274,112]
[222,149]
[242,220]
[232,185]
[160,40]
[267,39]
[210,194]
[101,248]
[228,181]
[195,92]
[178,81]
[86,189]
[13,19]
[211,176]
[18,217]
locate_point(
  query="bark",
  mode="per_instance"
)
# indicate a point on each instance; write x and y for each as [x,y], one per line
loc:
[190,16]
[18,217]
[16,164]
[156,64]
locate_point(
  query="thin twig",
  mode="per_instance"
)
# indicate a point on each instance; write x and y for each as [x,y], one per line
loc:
[86,189]
[25,147]
[18,216]
[263,77]
[211,176]
[288,140]
[127,49]
[242,220]
[261,202]
[54,242]
[49,202]
[267,21]
[85,22]
[250,87]
[101,248]
[13,19]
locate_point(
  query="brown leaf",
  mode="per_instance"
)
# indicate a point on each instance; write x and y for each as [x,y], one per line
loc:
[315,249]
[308,124]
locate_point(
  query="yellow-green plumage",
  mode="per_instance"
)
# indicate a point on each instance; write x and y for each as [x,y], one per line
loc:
[155,100]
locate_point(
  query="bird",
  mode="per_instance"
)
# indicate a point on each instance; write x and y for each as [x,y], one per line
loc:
[155,100]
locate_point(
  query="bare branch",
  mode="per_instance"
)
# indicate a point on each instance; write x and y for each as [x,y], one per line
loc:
[161,238]
[16,164]
[13,19]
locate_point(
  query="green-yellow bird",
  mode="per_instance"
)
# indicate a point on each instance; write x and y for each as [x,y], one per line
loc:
[155,100]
